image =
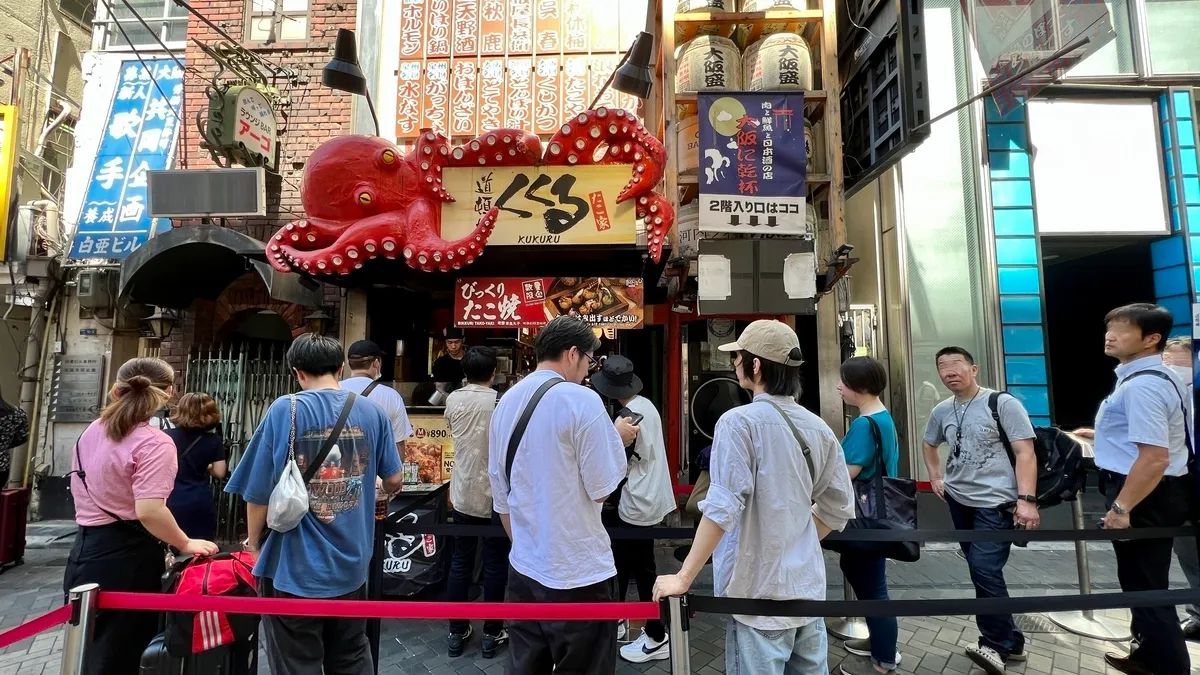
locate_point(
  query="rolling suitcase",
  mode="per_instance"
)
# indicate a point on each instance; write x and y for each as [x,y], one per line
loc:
[14,505]
[239,658]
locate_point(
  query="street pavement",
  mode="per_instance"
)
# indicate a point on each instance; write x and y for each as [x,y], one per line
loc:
[930,645]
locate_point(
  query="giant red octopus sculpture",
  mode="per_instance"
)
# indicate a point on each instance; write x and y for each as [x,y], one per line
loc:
[363,199]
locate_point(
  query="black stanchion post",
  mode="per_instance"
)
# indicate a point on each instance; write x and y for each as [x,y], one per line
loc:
[375,581]
[677,619]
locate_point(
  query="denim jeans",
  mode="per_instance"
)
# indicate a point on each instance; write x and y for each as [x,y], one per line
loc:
[986,561]
[867,575]
[462,565]
[792,651]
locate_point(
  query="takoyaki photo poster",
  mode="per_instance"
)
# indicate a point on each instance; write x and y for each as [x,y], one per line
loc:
[516,302]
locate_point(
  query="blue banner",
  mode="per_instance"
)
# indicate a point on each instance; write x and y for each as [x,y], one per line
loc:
[139,136]
[752,173]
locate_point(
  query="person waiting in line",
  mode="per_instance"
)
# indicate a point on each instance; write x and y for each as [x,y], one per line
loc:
[469,414]
[646,499]
[1178,357]
[201,456]
[778,486]
[566,463]
[870,447]
[123,470]
[983,490]
[1142,454]
[365,359]
[328,554]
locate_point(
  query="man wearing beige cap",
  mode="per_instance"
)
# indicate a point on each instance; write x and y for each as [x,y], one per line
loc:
[779,484]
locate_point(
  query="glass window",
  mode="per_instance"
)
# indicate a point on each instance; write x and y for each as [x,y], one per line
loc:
[82,11]
[1172,26]
[167,21]
[1116,56]
[278,21]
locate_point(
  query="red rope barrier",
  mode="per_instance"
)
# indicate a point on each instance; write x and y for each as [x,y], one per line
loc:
[376,609]
[28,629]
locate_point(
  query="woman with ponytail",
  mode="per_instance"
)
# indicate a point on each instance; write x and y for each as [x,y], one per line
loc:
[123,472]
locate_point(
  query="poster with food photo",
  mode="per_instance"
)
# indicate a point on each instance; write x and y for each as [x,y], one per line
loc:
[514,302]
[429,453]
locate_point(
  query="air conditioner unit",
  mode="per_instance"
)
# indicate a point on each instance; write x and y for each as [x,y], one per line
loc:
[94,288]
[199,193]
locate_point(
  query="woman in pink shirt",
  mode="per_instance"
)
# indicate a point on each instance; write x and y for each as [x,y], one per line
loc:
[123,472]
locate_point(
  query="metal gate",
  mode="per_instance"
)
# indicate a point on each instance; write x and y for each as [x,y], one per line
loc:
[244,379]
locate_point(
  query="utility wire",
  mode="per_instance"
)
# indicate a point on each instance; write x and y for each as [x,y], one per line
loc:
[277,70]
[136,53]
[149,30]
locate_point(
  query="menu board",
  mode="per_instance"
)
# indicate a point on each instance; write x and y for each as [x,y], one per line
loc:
[515,302]
[429,453]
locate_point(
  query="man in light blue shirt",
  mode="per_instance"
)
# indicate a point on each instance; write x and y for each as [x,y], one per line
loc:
[1141,442]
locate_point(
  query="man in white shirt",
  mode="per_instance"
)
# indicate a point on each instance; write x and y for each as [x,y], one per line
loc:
[469,414]
[644,501]
[366,360]
[779,484]
[548,487]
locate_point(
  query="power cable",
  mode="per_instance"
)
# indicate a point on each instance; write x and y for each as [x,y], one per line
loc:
[148,30]
[277,70]
[138,55]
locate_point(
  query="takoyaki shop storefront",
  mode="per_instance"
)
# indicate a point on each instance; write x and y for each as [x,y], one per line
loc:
[518,246]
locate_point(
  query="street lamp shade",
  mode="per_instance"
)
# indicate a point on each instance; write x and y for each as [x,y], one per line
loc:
[633,77]
[318,321]
[160,323]
[342,72]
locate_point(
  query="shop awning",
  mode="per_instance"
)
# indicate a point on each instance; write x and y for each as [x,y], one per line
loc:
[189,263]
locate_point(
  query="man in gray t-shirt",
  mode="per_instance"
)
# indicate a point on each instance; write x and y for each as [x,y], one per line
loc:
[983,489]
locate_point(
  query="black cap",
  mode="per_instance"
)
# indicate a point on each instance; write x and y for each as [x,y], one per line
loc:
[616,378]
[453,333]
[365,348]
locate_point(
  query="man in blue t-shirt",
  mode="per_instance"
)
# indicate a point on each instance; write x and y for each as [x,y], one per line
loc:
[328,554]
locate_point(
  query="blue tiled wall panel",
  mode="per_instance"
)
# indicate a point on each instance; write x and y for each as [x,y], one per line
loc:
[1016,251]
[1025,370]
[1167,252]
[1018,309]
[1024,340]
[1009,164]
[1179,306]
[1182,165]
[1020,280]
[1012,193]
[1007,137]
[1035,399]
[1171,281]
[1011,222]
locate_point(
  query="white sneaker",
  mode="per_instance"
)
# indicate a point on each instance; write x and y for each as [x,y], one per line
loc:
[646,649]
[863,648]
[986,658]
[622,630]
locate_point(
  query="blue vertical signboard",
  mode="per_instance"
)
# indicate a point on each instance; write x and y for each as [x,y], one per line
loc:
[139,136]
[752,174]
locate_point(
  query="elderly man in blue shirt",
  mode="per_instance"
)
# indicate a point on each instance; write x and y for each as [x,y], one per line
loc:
[1142,450]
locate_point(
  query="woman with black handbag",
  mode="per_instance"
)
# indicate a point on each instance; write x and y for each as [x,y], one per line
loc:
[870,446]
[124,470]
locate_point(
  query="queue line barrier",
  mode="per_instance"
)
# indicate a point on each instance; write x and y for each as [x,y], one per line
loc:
[676,612]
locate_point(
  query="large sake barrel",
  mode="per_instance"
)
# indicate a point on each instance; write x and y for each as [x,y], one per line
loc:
[687,143]
[778,62]
[709,63]
[764,5]
[687,224]
[810,217]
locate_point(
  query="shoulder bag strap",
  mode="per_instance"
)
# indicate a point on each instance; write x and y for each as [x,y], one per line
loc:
[519,430]
[370,388]
[83,479]
[330,440]
[994,406]
[189,447]
[799,439]
[1187,433]
[878,445]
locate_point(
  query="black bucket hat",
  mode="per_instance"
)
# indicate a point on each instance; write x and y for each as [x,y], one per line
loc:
[616,378]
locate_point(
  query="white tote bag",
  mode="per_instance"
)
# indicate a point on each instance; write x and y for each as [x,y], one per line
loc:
[289,499]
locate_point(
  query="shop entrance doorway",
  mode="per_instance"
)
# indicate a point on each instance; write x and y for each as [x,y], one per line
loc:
[1086,277]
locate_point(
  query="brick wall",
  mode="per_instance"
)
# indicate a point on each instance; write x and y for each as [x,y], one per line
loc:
[308,115]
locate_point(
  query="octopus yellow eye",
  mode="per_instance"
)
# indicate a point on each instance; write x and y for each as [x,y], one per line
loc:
[364,198]
[389,157]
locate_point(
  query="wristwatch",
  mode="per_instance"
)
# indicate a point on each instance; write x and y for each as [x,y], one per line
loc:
[1028,498]
[248,547]
[1119,510]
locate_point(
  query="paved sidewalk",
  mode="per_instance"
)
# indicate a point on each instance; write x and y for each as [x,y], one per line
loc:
[930,645]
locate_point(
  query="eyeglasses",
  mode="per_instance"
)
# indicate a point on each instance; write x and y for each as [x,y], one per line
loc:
[593,364]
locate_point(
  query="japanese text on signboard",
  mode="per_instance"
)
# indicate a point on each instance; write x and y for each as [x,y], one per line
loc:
[753,163]
[139,137]
[533,302]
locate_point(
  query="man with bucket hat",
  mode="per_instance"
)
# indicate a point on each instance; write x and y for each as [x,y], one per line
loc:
[779,484]
[645,498]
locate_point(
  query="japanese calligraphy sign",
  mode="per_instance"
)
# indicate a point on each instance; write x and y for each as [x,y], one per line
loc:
[548,205]
[752,175]
[1013,35]
[532,302]
[139,136]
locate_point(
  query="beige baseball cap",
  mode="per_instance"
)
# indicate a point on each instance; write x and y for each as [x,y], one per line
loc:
[768,339]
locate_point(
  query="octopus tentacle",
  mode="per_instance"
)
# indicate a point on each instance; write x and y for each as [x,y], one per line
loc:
[627,141]
[659,215]
[430,156]
[368,238]
[499,147]
[426,251]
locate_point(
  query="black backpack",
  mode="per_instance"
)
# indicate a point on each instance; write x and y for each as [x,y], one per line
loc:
[1060,461]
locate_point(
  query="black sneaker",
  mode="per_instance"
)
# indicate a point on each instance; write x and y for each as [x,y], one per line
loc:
[494,643]
[1191,630]
[456,641]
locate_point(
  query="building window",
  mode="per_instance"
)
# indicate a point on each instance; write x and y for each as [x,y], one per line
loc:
[1116,56]
[278,21]
[1172,26]
[167,20]
[83,11]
